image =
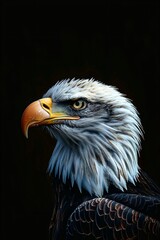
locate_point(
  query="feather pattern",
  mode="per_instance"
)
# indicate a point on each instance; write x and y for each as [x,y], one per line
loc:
[107,218]
[132,214]
[112,137]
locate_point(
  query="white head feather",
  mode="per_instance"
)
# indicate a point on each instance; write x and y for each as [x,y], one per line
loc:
[101,147]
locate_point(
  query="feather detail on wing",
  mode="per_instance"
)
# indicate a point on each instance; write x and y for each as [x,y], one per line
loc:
[110,218]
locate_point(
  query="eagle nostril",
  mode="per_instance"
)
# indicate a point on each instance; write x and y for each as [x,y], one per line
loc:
[45,106]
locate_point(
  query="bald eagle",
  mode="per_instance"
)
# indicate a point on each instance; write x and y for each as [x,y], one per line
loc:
[99,188]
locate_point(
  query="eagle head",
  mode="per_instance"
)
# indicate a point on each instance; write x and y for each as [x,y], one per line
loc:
[98,133]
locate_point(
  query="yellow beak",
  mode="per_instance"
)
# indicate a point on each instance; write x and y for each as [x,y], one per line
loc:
[41,112]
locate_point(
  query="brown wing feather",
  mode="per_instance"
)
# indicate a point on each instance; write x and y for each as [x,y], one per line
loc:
[104,218]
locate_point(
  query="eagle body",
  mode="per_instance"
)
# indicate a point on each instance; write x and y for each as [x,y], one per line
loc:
[100,191]
[129,214]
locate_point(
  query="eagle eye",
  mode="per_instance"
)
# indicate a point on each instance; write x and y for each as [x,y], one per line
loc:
[79,104]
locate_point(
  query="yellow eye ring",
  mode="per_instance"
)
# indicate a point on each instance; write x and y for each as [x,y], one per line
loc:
[79,105]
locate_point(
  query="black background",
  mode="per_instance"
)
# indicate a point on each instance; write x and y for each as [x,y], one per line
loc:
[41,43]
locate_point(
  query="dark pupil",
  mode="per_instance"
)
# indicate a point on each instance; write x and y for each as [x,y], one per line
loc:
[77,103]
